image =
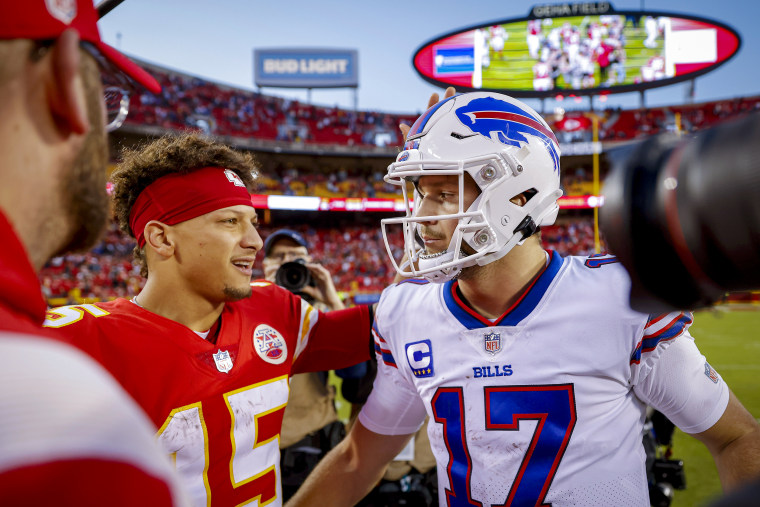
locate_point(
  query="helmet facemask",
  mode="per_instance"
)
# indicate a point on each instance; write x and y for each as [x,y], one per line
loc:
[492,225]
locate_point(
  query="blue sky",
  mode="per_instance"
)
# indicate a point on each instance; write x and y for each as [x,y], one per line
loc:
[215,40]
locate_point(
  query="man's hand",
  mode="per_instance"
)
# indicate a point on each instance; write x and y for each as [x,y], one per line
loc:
[324,291]
[270,270]
[350,470]
[434,99]
[734,442]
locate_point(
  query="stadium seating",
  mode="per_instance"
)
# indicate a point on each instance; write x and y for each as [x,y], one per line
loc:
[191,103]
[355,255]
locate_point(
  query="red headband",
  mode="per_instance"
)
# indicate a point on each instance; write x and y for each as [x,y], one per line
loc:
[180,197]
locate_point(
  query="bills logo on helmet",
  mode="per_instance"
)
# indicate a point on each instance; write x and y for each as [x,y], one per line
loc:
[507,123]
[419,126]
[420,357]
[269,344]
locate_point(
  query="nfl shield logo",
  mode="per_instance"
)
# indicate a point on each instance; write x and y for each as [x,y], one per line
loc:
[492,343]
[223,360]
[711,373]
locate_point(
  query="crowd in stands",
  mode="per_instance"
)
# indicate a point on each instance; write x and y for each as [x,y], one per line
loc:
[355,255]
[341,183]
[687,118]
[357,183]
[188,102]
[571,237]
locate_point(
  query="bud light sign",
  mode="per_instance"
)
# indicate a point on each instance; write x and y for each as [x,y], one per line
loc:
[306,68]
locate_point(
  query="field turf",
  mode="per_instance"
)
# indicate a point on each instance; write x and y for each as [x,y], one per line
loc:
[729,340]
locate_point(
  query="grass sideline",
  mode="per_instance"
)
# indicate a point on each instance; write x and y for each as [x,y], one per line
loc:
[727,338]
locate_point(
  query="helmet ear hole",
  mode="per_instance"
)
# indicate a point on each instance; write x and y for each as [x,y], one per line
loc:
[522,198]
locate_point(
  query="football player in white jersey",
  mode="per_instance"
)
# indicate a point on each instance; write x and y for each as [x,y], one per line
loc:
[533,369]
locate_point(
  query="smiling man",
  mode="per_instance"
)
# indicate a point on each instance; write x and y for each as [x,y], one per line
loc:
[205,352]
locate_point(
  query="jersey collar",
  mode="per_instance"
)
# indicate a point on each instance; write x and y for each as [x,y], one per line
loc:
[521,309]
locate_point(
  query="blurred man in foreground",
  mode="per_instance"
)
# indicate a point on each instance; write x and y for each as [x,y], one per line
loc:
[69,435]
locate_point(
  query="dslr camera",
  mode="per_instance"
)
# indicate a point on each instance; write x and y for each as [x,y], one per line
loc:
[664,475]
[683,215]
[294,276]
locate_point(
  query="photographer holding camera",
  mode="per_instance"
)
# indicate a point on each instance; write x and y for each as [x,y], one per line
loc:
[287,263]
[310,426]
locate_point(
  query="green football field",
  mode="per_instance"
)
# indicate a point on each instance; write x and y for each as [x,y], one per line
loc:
[513,68]
[730,341]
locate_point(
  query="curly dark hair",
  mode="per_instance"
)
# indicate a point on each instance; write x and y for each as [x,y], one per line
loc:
[171,154]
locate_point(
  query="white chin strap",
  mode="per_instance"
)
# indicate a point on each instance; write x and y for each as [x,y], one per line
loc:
[440,275]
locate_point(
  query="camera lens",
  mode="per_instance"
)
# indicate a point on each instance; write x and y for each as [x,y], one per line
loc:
[684,218]
[293,276]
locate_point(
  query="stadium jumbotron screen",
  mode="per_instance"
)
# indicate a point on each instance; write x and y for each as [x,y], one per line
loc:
[618,51]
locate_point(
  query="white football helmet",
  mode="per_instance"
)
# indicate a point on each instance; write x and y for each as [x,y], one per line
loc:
[507,149]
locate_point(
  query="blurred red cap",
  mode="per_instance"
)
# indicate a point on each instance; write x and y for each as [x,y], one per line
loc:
[47,19]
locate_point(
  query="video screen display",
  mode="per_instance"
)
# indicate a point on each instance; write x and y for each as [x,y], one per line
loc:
[619,51]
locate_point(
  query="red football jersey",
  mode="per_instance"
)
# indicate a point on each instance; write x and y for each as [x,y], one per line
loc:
[219,406]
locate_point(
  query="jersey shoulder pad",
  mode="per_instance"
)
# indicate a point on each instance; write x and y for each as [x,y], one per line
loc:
[264,292]
[408,286]
[407,292]
[84,314]
[601,266]
[257,284]
[266,288]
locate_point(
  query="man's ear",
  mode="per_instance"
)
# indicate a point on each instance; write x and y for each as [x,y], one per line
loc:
[65,89]
[157,235]
[519,199]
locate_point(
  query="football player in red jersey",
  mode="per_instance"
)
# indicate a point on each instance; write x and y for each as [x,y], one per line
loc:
[204,351]
[69,435]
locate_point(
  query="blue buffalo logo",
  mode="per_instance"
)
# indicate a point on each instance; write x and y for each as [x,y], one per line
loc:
[507,123]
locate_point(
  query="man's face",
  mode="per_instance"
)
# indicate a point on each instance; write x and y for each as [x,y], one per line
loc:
[284,250]
[215,252]
[83,185]
[440,196]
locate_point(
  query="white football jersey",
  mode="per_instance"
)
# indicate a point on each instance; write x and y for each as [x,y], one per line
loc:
[546,404]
